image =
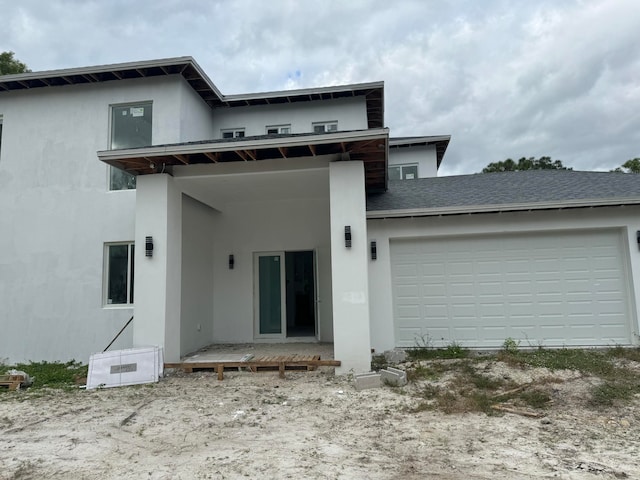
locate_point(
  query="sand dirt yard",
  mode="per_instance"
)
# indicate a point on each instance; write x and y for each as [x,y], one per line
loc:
[309,425]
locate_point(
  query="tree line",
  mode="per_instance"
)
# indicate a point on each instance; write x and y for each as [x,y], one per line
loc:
[545,163]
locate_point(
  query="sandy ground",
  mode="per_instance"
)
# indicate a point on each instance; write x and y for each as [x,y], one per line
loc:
[309,425]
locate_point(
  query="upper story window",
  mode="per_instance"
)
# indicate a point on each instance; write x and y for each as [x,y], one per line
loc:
[278,129]
[233,133]
[403,172]
[322,127]
[131,126]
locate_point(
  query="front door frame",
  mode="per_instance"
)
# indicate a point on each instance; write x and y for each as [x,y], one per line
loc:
[282,336]
[275,337]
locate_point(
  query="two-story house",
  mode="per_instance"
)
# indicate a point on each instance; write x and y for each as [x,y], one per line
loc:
[140,190]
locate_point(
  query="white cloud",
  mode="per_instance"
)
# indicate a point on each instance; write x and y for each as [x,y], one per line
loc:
[505,78]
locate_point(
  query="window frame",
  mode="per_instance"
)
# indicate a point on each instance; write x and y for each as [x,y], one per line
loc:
[112,107]
[130,286]
[279,129]
[326,125]
[402,166]
[234,132]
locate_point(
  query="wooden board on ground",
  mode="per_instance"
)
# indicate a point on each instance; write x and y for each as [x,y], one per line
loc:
[269,363]
[11,381]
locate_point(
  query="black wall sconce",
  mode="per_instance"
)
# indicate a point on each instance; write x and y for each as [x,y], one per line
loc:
[374,250]
[638,238]
[232,262]
[347,236]
[148,247]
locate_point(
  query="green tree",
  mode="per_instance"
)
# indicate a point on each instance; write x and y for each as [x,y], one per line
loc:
[10,65]
[531,163]
[630,166]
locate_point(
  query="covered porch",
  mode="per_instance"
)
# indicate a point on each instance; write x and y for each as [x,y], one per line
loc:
[253,252]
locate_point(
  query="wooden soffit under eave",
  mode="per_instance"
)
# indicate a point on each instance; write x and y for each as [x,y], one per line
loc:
[372,151]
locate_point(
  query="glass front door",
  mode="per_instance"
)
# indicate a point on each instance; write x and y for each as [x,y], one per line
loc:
[270,294]
[285,295]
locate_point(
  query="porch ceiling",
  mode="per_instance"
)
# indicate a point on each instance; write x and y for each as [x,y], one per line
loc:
[370,146]
[218,191]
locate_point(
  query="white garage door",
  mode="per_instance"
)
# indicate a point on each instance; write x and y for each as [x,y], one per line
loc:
[540,288]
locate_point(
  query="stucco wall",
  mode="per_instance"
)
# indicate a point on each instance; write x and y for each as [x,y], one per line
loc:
[196,326]
[350,114]
[424,157]
[57,214]
[381,307]
[272,226]
[196,117]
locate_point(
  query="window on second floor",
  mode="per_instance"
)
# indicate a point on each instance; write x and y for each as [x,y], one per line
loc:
[403,172]
[322,127]
[278,129]
[233,133]
[131,127]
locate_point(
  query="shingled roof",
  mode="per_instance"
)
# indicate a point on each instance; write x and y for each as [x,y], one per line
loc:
[505,191]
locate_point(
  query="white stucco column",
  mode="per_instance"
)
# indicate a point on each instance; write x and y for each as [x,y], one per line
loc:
[349,277]
[158,278]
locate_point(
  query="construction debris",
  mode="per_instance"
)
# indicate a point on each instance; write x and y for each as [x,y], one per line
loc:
[393,376]
[518,411]
[125,367]
[363,381]
[395,356]
[16,379]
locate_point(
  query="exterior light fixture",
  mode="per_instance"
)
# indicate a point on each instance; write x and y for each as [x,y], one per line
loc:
[374,250]
[638,238]
[347,236]
[148,247]
[232,262]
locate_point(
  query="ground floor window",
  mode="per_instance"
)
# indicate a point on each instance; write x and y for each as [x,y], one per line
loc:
[121,180]
[119,259]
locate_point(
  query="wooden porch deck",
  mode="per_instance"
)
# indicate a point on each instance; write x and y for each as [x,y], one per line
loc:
[258,357]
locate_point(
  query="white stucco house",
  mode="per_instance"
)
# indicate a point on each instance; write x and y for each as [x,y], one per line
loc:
[140,190]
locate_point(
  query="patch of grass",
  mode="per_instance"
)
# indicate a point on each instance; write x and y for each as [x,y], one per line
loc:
[419,372]
[378,362]
[484,382]
[612,392]
[430,391]
[535,398]
[52,374]
[452,351]
[465,402]
[469,389]
[632,354]
[592,362]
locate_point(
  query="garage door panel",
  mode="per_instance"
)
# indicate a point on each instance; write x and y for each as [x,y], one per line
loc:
[409,290]
[546,289]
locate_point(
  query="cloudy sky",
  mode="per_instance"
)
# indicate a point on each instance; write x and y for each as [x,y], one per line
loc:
[503,78]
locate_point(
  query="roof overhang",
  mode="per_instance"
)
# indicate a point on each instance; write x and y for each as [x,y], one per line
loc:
[194,75]
[185,66]
[372,92]
[441,143]
[476,209]
[369,146]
